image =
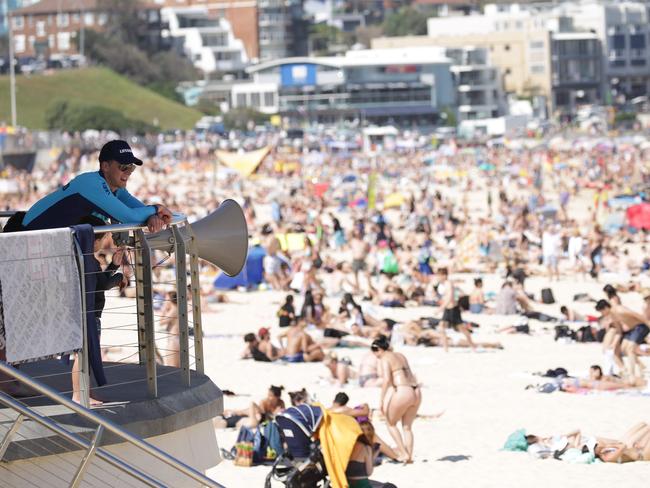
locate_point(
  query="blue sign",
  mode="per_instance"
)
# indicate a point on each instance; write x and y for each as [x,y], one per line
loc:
[298,74]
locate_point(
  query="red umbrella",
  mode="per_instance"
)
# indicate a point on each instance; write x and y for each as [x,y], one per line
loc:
[638,216]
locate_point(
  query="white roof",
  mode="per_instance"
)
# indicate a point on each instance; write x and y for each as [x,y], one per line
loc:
[366,57]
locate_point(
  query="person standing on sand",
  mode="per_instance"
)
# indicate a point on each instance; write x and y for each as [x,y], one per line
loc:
[400,396]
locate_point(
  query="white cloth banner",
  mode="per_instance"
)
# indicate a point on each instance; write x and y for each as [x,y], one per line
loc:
[40,295]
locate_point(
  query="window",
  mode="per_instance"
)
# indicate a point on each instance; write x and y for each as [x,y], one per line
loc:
[617,41]
[50,20]
[30,20]
[19,43]
[537,69]
[268,99]
[637,41]
[618,63]
[241,100]
[40,28]
[102,19]
[537,44]
[638,62]
[255,100]
[18,22]
[75,18]
[89,18]
[63,40]
[63,20]
[51,41]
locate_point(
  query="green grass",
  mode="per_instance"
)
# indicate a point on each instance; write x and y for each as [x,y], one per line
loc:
[94,86]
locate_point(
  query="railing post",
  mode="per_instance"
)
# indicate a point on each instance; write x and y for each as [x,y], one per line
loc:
[88,457]
[6,440]
[82,356]
[181,294]
[196,302]
[146,328]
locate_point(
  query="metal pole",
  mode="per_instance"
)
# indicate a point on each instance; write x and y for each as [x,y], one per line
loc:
[146,327]
[181,300]
[87,459]
[12,74]
[84,369]
[196,302]
[6,440]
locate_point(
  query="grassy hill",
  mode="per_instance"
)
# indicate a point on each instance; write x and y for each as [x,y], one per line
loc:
[94,86]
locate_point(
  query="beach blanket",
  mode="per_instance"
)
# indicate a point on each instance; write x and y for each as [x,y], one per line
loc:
[40,295]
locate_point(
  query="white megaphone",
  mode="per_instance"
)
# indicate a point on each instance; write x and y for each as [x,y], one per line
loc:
[221,238]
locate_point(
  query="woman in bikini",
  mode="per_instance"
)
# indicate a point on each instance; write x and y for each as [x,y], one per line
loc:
[400,396]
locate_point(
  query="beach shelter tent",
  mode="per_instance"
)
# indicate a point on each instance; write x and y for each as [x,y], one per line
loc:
[638,216]
[246,162]
[250,276]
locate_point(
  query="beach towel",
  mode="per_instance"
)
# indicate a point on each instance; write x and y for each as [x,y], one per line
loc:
[338,434]
[40,295]
[516,441]
[576,456]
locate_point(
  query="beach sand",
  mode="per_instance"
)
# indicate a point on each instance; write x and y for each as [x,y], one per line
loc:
[483,397]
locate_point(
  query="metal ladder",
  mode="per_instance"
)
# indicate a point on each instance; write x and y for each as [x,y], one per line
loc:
[91,446]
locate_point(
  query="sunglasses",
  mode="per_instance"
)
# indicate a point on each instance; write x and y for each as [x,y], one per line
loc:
[374,348]
[126,168]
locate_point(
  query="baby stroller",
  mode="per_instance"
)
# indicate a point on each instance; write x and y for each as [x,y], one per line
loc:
[301,465]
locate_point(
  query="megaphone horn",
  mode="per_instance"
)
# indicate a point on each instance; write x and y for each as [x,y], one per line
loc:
[221,238]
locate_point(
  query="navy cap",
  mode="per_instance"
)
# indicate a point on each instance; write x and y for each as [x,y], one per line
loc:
[120,151]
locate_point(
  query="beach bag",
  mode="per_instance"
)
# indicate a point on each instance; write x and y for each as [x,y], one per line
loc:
[547,296]
[563,331]
[244,447]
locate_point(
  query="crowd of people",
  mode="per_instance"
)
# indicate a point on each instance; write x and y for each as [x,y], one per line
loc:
[419,225]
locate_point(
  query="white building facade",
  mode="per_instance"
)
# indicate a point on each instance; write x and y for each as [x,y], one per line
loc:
[206,40]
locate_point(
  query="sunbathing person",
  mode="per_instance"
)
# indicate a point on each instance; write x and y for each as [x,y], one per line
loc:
[256,413]
[414,333]
[265,345]
[340,405]
[634,446]
[600,382]
[252,349]
[368,371]
[300,346]
[380,448]
[340,369]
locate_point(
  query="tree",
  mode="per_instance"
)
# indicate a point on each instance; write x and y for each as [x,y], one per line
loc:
[406,22]
[324,38]
[75,116]
[238,118]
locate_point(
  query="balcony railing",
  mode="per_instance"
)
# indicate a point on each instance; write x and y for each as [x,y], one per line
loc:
[131,326]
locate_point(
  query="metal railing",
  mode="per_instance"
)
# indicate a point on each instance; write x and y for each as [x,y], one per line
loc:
[133,238]
[92,447]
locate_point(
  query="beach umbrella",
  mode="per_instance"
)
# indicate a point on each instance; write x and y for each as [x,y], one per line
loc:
[638,216]
[349,178]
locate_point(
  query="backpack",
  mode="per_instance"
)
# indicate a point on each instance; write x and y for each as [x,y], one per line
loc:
[267,443]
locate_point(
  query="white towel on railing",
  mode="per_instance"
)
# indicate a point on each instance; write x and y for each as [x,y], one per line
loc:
[40,295]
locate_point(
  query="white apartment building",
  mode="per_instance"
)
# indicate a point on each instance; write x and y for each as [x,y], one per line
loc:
[206,40]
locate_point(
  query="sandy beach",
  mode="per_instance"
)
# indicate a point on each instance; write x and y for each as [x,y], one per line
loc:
[483,397]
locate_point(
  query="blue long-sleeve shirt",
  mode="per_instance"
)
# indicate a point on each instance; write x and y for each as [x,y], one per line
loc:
[87,194]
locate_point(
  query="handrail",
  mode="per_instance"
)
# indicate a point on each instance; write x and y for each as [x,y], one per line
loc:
[108,425]
[177,218]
